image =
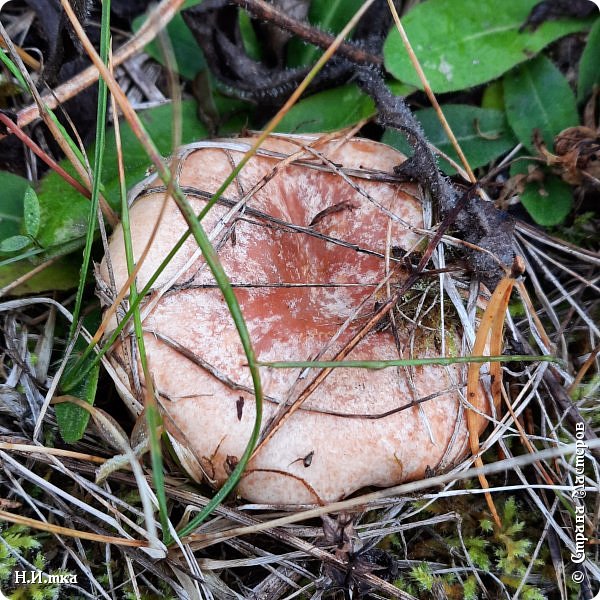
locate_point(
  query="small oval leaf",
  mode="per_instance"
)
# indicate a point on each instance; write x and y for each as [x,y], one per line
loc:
[31,212]
[468,42]
[548,202]
[14,243]
[537,96]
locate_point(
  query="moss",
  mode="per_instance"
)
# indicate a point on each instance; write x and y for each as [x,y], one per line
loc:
[504,551]
[22,541]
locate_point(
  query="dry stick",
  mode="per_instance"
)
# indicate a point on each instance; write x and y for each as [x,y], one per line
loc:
[93,537]
[263,10]
[163,13]
[427,88]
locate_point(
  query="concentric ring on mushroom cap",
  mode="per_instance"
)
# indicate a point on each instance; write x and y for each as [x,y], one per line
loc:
[305,254]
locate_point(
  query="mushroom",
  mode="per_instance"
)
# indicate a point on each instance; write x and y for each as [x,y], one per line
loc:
[304,245]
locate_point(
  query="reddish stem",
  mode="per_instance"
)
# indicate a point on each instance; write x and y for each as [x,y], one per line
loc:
[16,130]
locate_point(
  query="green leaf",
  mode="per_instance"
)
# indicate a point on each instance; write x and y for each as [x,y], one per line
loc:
[537,96]
[328,111]
[464,43]
[493,96]
[72,419]
[31,212]
[64,211]
[188,55]
[589,73]
[548,202]
[482,133]
[11,206]
[400,89]
[14,243]
[333,15]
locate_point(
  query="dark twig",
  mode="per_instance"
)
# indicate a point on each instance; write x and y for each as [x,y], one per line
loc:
[263,10]
[215,26]
[478,222]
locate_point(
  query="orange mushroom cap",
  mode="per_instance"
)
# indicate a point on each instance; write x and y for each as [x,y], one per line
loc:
[306,256]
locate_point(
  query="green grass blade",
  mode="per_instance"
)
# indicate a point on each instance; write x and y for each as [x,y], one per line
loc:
[409,362]
[98,156]
[72,416]
[10,65]
[152,417]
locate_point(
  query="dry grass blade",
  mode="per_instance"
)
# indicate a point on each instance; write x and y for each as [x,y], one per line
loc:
[30,448]
[83,535]
[400,490]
